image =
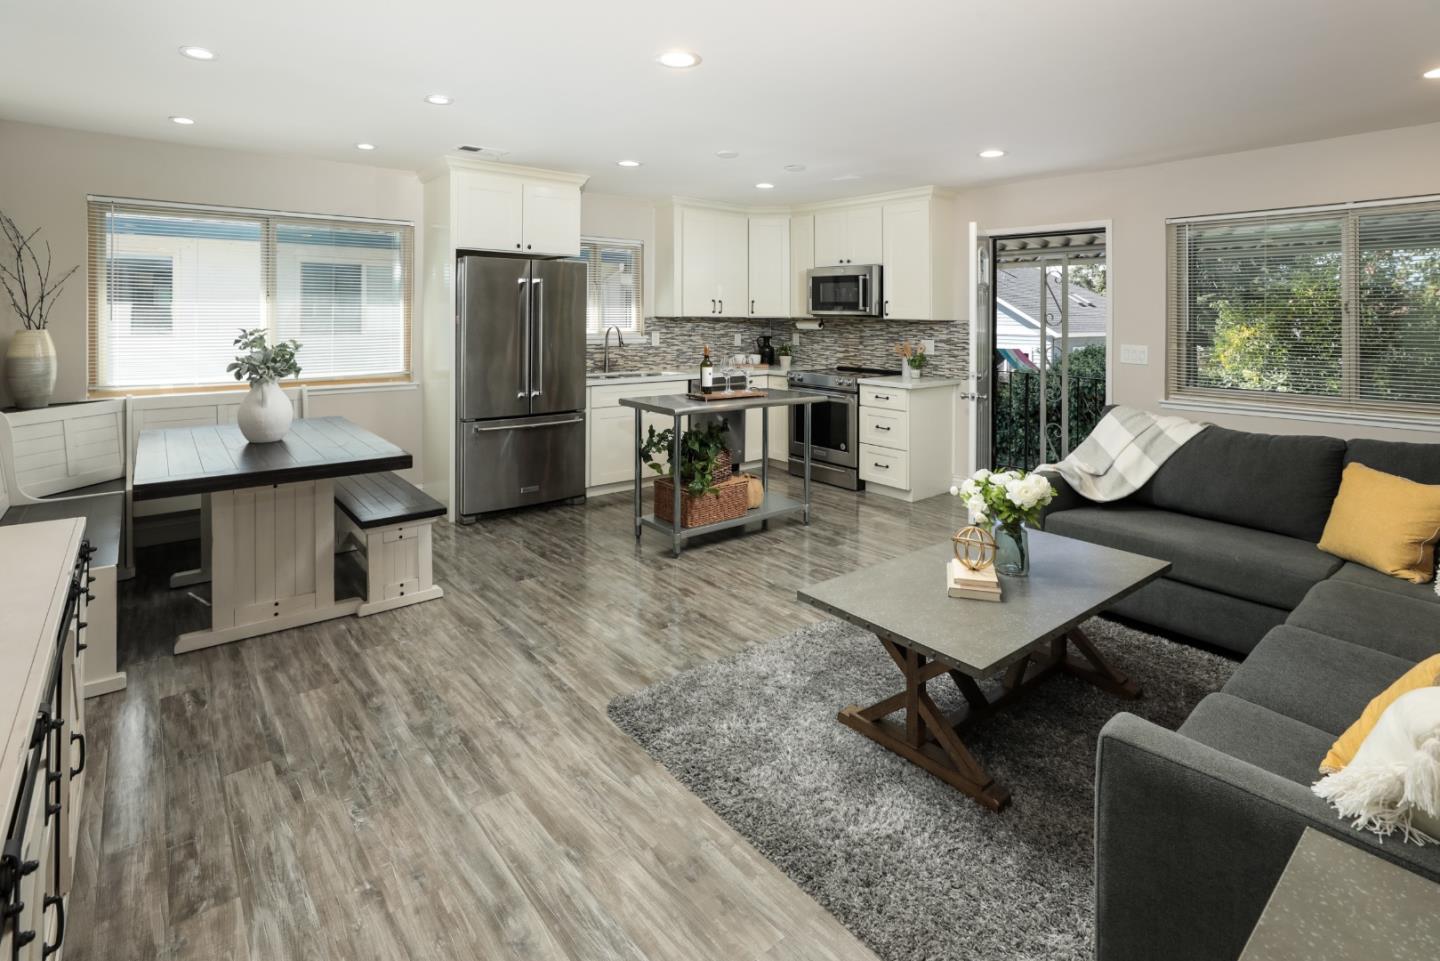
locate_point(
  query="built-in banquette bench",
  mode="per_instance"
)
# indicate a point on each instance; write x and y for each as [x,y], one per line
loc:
[389,519]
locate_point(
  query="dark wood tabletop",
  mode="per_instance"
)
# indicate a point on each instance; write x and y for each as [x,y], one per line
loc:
[198,460]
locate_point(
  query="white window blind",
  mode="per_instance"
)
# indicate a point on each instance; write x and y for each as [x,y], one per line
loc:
[172,285]
[1337,307]
[614,285]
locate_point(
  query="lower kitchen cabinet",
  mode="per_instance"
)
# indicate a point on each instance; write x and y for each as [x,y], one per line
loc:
[907,436]
[610,439]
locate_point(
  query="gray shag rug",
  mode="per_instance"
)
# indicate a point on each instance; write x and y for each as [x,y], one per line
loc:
[914,868]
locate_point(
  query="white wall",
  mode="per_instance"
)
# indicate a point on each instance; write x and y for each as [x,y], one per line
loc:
[1391,163]
[46,173]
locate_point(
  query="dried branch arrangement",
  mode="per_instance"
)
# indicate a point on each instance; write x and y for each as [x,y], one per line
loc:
[25,278]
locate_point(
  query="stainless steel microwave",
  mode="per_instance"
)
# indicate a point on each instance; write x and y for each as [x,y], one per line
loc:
[851,290]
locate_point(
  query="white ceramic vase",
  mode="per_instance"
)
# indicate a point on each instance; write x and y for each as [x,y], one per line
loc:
[265,413]
[30,368]
[784,362]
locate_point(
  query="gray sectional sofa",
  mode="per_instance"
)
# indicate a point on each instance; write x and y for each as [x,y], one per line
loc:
[1194,827]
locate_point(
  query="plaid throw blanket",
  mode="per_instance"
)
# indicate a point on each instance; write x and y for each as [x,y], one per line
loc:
[1124,451]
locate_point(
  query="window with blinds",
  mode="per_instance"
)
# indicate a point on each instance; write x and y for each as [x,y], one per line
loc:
[172,285]
[1331,307]
[614,285]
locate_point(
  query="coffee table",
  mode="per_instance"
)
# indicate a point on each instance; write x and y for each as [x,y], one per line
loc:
[1031,634]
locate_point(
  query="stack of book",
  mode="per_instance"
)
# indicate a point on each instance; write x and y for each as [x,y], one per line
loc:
[961,581]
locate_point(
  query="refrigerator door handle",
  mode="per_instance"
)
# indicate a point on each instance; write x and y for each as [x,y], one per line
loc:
[537,321]
[522,305]
[548,423]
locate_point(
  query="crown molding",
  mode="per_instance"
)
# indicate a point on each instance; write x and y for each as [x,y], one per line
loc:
[449,164]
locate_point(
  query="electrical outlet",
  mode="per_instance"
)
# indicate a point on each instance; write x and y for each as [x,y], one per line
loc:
[739,340]
[1138,354]
[654,338]
[928,346]
[795,339]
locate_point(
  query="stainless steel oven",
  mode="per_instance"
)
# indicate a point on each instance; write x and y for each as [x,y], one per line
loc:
[849,291]
[834,428]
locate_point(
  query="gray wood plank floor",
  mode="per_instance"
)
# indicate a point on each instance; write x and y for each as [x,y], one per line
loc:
[442,781]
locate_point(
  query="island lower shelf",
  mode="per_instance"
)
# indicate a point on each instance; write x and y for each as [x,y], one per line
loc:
[774,505]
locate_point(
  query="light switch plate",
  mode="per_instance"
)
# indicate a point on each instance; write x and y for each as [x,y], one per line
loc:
[738,340]
[654,338]
[1138,354]
[795,338]
[928,346]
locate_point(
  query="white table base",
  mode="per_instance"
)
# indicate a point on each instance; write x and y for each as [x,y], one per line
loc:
[272,562]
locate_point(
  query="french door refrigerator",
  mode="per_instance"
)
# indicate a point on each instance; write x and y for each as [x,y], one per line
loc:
[520,377]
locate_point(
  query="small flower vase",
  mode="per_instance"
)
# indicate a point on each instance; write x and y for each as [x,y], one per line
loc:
[1012,550]
[265,413]
[906,371]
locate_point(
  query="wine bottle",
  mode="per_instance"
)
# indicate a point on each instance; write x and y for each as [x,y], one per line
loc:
[707,372]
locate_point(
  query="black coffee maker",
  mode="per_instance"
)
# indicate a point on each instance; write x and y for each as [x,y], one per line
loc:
[763,348]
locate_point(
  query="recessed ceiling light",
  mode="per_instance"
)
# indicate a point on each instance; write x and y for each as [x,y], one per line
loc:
[794,168]
[182,121]
[846,177]
[627,163]
[992,153]
[727,154]
[364,146]
[197,53]
[1432,74]
[764,186]
[439,99]
[678,59]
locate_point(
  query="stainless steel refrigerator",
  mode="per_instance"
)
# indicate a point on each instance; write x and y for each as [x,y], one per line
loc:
[520,377]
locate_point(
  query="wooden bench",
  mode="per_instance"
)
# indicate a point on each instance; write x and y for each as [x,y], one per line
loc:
[390,519]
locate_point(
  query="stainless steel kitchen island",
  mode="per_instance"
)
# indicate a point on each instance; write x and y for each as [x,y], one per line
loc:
[678,407]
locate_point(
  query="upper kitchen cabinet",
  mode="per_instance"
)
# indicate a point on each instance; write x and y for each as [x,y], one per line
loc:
[848,235]
[802,258]
[512,209]
[921,275]
[702,262]
[770,266]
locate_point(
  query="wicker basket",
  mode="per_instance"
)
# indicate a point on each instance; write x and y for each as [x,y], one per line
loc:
[697,510]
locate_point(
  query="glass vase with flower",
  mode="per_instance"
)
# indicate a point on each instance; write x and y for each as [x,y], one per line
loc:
[1010,501]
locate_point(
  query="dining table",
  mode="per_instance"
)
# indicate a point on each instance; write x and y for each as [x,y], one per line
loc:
[270,516]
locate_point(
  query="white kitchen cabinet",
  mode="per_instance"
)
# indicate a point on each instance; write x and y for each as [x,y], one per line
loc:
[848,235]
[769,266]
[802,258]
[512,210]
[907,437]
[489,211]
[610,433]
[754,434]
[779,423]
[714,263]
[551,219]
[921,277]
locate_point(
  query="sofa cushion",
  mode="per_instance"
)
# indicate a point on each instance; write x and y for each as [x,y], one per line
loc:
[1418,462]
[1255,565]
[1272,483]
[1366,577]
[1259,736]
[1387,622]
[1319,680]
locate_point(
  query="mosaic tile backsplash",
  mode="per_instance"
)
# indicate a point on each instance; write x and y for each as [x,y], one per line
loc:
[844,340]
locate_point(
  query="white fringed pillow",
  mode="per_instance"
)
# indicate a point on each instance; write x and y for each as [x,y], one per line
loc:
[1393,784]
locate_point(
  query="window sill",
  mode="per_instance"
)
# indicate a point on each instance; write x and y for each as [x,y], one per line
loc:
[1323,415]
[318,387]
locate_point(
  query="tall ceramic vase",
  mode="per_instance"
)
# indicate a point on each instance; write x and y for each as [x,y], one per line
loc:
[265,413]
[30,368]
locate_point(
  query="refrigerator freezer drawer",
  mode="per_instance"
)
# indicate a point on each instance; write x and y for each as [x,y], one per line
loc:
[521,461]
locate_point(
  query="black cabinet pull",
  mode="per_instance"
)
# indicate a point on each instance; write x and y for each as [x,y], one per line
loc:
[882,466]
[752,305]
[58,903]
[722,307]
[527,246]
[78,738]
[881,427]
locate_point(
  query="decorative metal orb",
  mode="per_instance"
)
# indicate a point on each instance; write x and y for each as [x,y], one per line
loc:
[974,547]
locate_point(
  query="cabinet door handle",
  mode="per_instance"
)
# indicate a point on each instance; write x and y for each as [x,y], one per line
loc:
[78,738]
[881,427]
[881,466]
[517,246]
[882,396]
[752,305]
[58,903]
[722,308]
[712,305]
[887,308]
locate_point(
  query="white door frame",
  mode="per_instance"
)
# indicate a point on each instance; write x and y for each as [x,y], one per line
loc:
[1105,224]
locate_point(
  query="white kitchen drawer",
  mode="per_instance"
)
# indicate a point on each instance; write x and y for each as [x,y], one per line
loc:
[885,428]
[609,395]
[886,397]
[880,465]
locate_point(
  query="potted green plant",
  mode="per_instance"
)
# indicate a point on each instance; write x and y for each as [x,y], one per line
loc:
[913,359]
[783,354]
[709,492]
[265,413]
[30,366]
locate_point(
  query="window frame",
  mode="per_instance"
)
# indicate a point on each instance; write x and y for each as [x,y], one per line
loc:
[1349,405]
[593,337]
[97,255]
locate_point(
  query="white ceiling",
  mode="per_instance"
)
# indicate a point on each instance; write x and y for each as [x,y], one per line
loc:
[888,95]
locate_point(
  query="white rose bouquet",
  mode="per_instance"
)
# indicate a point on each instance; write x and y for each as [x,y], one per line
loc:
[1009,498]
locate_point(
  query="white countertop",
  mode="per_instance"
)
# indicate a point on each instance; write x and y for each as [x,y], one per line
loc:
[918,383]
[664,376]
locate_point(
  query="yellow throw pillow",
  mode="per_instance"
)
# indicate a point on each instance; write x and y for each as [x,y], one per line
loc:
[1424,674]
[1385,522]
